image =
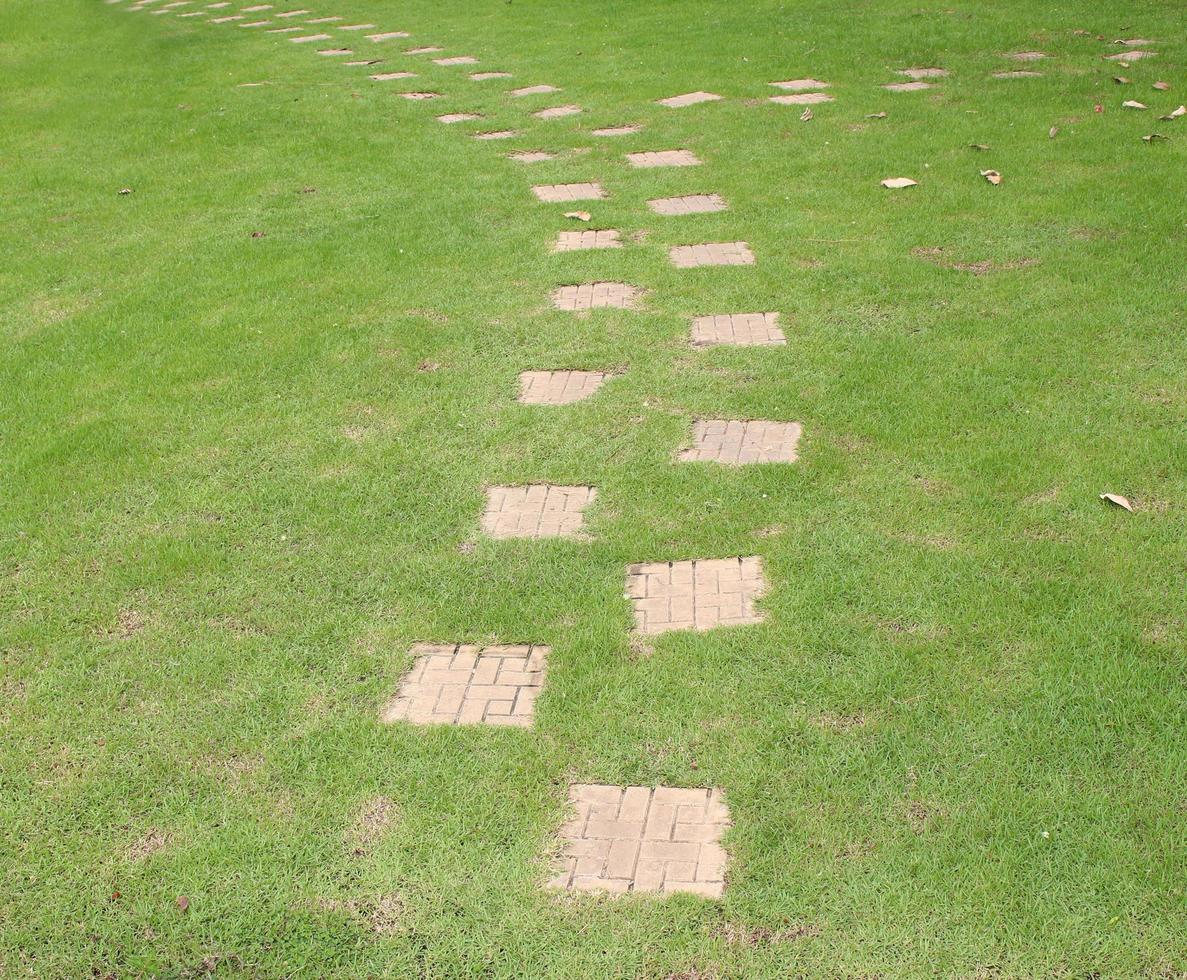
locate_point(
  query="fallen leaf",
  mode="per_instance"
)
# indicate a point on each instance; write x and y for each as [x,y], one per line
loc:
[258,234]
[895,183]
[980,146]
[806,116]
[1181,111]
[876,115]
[1098,108]
[1116,498]
[1052,132]
[126,190]
[1161,86]
[1154,137]
[1121,79]
[992,176]
[183,903]
[1131,104]
[579,215]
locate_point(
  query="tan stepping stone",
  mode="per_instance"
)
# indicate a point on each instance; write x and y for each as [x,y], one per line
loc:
[695,595]
[323,20]
[388,76]
[690,204]
[257,7]
[456,117]
[227,20]
[418,96]
[533,90]
[737,330]
[283,30]
[1025,55]
[387,36]
[559,387]
[363,64]
[293,13]
[617,130]
[486,76]
[430,49]
[663,158]
[711,253]
[531,156]
[335,52]
[918,73]
[1017,74]
[802,98]
[497,134]
[1132,56]
[557,111]
[357,27]
[194,13]
[638,839]
[536,511]
[596,295]
[907,86]
[560,193]
[692,98]
[737,443]
[800,84]
[455,684]
[577,241]
[307,38]
[463,60]
[216,6]
[256,23]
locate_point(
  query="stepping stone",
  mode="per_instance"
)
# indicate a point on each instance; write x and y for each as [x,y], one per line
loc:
[456,117]
[918,73]
[907,86]
[712,253]
[663,158]
[692,98]
[596,295]
[1026,55]
[560,193]
[225,20]
[357,27]
[486,76]
[617,130]
[322,20]
[293,13]
[257,7]
[737,443]
[533,90]
[389,76]
[531,156]
[799,84]
[335,52]
[1132,56]
[803,98]
[419,96]
[307,38]
[691,204]
[427,50]
[194,13]
[737,330]
[497,134]
[695,595]
[364,64]
[283,30]
[469,685]
[387,36]
[256,23]
[1017,74]
[557,111]
[463,60]
[637,839]
[576,241]
[558,387]
[212,6]
[536,511]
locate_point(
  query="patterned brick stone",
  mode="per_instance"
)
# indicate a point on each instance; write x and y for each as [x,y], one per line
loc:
[1017,74]
[256,7]
[712,253]
[497,134]
[561,193]
[558,387]
[738,330]
[227,20]
[663,158]
[419,96]
[638,839]
[576,241]
[617,130]
[283,30]
[557,111]
[334,52]
[695,595]
[1025,55]
[292,13]
[462,60]
[469,685]
[918,73]
[692,98]
[690,204]
[323,20]
[802,98]
[427,49]
[256,23]
[531,156]
[387,36]
[800,84]
[907,86]
[594,295]
[366,63]
[389,76]
[307,38]
[536,511]
[357,27]
[736,443]
[533,90]
[456,117]
[485,76]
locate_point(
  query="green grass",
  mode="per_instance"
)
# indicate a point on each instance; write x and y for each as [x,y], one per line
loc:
[954,748]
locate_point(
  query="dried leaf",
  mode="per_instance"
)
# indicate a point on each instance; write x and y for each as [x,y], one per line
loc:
[806,115]
[896,183]
[1116,498]
[183,903]
[1181,111]
[1131,104]
[992,176]
[258,234]
[1154,137]
[579,215]
[1121,79]
[1161,86]
[126,190]
[1052,132]
[876,115]
[980,146]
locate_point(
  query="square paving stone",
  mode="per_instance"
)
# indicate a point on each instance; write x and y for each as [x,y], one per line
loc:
[695,595]
[918,73]
[663,158]
[469,685]
[429,49]
[617,130]
[558,111]
[387,36]
[292,13]
[692,98]
[639,839]
[800,84]
[737,329]
[536,511]
[256,23]
[690,204]
[388,76]
[462,60]
[711,253]
[357,27]
[456,117]
[562,193]
[323,20]
[558,387]
[233,17]
[533,90]
[419,96]
[306,38]
[802,98]
[283,30]
[484,76]
[531,156]
[335,52]
[577,241]
[497,134]
[907,86]
[595,295]
[736,442]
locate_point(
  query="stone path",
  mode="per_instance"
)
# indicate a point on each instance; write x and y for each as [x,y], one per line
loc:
[736,443]
[595,295]
[738,330]
[558,387]
[695,595]
[536,511]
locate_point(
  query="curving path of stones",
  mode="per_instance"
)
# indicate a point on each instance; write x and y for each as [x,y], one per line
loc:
[616,838]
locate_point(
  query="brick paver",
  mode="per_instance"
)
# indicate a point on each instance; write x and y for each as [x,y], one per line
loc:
[533,90]
[388,76]
[307,38]
[594,295]
[907,86]
[427,49]
[357,27]
[557,111]
[227,20]
[497,134]
[918,73]
[736,443]
[387,36]
[538,510]
[692,98]
[578,241]
[366,62]
[639,839]
[802,98]
[1017,74]
[559,193]
[483,76]
[419,96]
[711,253]
[1025,55]
[282,30]
[256,23]
[323,20]
[332,52]
[616,130]
[457,117]
[799,84]
[737,329]
[663,158]
[293,13]
[690,204]
[695,595]
[461,60]
[454,684]
[531,156]
[558,387]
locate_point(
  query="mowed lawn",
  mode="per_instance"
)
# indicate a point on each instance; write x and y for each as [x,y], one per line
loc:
[248,412]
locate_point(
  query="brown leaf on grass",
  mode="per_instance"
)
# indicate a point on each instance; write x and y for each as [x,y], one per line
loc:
[258,234]
[1154,138]
[579,215]
[1131,104]
[1052,132]
[1181,111]
[876,115]
[806,115]
[1118,500]
[1120,79]
[1161,86]
[979,146]
[992,176]
[125,190]
[897,183]
[183,903]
